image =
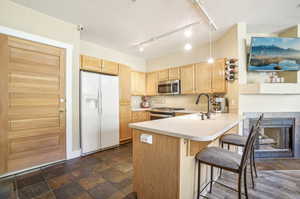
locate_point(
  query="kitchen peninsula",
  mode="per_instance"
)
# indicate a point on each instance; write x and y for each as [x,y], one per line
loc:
[164,151]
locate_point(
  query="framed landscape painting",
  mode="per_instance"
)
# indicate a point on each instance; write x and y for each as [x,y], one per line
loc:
[274,54]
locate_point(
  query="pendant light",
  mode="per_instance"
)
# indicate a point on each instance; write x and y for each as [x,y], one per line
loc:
[141,49]
[188,33]
[188,47]
[210,60]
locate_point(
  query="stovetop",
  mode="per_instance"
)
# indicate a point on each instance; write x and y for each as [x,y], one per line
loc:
[166,109]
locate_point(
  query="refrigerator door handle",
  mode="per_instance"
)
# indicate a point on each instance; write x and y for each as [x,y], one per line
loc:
[98,99]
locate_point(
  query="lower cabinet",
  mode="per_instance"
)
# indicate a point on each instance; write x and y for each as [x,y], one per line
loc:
[125,119]
[127,116]
[140,116]
[180,114]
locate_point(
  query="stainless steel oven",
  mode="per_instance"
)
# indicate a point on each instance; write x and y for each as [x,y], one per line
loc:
[169,87]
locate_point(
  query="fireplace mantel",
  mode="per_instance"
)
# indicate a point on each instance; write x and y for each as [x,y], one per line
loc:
[270,89]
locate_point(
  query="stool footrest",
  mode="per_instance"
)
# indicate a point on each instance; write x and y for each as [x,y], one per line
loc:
[224,185]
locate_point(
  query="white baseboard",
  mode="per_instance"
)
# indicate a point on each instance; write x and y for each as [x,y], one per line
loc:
[74,154]
[30,169]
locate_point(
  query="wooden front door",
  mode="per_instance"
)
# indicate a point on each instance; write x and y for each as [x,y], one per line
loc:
[32,104]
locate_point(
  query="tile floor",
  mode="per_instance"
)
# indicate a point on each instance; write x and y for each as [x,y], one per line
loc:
[104,175]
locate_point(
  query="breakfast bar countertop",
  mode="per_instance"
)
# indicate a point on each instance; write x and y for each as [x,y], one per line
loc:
[191,126]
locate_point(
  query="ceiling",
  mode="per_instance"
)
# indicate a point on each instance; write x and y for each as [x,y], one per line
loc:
[119,24]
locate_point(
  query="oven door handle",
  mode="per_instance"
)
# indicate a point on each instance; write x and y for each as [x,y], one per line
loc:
[162,116]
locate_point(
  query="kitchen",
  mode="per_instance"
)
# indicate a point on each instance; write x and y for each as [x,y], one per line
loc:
[129,108]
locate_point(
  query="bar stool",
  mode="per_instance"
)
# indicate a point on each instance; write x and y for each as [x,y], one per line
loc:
[240,141]
[230,161]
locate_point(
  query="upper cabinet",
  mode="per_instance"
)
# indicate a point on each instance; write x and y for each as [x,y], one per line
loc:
[151,83]
[110,67]
[174,73]
[125,84]
[219,84]
[163,75]
[169,74]
[90,63]
[195,78]
[98,65]
[138,83]
[187,74]
[210,78]
[203,76]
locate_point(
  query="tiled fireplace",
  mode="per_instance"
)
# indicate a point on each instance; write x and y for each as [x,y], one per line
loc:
[280,134]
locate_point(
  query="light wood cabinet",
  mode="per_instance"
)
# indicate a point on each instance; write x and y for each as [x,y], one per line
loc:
[187,74]
[174,73]
[180,114]
[125,84]
[140,116]
[163,75]
[151,83]
[125,119]
[138,83]
[110,67]
[94,64]
[203,77]
[219,83]
[90,63]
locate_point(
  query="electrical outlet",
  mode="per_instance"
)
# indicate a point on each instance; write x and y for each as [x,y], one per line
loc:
[146,138]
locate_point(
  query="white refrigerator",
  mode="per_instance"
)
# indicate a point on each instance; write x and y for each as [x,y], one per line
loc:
[99,111]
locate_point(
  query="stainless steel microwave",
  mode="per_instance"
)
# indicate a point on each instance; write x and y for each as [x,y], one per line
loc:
[169,87]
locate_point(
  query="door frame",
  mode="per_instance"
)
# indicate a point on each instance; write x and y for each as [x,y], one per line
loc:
[68,88]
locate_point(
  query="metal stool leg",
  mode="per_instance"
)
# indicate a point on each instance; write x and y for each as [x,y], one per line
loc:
[199,174]
[253,159]
[251,171]
[245,182]
[222,145]
[211,178]
[240,185]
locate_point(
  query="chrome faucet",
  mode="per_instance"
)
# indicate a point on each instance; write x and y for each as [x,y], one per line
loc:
[208,104]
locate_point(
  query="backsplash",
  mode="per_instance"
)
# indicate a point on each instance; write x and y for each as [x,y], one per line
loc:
[182,101]
[136,101]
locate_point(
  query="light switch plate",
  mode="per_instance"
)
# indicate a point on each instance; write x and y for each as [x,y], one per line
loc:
[146,138]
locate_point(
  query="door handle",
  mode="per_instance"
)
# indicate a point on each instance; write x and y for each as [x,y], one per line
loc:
[62,110]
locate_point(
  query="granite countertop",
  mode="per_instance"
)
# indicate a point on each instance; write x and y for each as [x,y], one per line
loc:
[191,126]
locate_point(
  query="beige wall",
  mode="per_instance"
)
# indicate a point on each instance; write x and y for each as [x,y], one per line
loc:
[197,54]
[290,32]
[92,49]
[225,46]
[24,19]
[21,18]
